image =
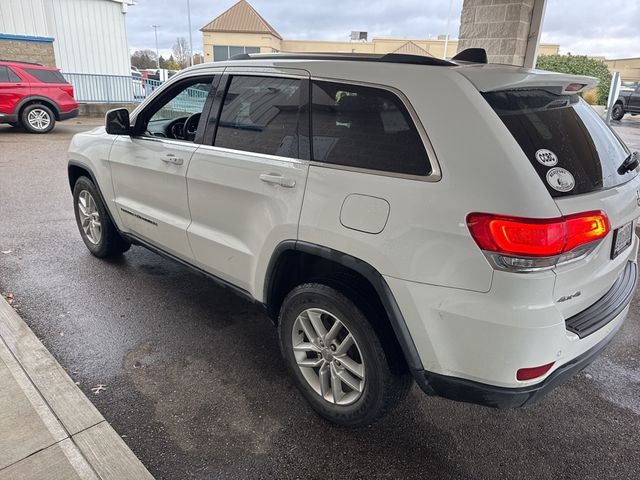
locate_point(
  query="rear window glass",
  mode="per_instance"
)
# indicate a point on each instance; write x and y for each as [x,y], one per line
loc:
[46,76]
[567,143]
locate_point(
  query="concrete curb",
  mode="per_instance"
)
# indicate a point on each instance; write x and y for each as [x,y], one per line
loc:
[82,443]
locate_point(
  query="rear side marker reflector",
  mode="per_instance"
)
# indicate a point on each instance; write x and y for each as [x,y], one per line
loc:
[533,372]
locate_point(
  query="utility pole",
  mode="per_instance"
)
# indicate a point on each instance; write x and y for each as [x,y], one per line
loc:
[446,37]
[155,27]
[190,34]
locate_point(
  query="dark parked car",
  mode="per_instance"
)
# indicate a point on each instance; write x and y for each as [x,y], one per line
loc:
[628,102]
[34,96]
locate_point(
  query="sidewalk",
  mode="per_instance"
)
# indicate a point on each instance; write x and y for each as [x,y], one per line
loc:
[48,428]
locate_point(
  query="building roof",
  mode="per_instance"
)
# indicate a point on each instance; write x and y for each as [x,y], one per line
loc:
[411,48]
[241,18]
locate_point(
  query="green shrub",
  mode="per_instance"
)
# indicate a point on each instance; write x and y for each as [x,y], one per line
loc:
[579,65]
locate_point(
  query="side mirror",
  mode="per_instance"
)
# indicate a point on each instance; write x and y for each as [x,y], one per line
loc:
[117,122]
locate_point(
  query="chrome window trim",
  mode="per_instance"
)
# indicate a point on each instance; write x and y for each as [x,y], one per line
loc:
[436,171]
[274,72]
[264,156]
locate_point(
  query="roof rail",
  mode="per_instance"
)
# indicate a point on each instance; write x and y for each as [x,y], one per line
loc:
[20,61]
[472,55]
[350,57]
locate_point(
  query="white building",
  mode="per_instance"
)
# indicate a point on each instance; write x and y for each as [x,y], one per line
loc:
[88,36]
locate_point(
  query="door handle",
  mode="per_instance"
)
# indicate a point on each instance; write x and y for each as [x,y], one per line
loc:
[277,179]
[171,158]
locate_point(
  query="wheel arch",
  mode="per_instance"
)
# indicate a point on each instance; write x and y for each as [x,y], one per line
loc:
[36,99]
[75,170]
[294,262]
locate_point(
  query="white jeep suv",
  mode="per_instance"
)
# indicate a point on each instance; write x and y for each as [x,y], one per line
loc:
[463,225]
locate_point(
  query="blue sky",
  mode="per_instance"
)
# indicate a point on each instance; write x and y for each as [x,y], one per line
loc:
[608,28]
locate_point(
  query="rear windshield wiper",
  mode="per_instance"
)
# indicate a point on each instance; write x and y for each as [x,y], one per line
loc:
[630,163]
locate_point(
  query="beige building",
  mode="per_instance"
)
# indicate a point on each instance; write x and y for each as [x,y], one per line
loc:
[241,29]
[629,68]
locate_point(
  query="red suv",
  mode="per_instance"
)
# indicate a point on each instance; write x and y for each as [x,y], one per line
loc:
[34,96]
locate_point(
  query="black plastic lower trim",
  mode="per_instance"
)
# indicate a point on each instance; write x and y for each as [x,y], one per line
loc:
[608,307]
[70,114]
[5,118]
[462,390]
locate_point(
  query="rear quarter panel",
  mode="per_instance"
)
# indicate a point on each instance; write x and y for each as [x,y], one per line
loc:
[426,239]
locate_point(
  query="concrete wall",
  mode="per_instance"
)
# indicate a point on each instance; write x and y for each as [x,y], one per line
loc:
[38,51]
[501,27]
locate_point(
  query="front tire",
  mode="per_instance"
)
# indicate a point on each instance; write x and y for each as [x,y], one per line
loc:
[37,118]
[336,358]
[96,228]
[617,112]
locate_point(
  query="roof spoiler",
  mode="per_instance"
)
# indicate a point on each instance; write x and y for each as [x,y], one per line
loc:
[473,55]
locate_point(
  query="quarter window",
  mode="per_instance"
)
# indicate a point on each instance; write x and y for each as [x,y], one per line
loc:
[46,76]
[365,127]
[261,115]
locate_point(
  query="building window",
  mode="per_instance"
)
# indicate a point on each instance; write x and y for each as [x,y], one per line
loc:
[225,52]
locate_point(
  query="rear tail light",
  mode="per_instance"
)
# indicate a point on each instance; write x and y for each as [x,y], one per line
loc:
[528,244]
[68,89]
[533,372]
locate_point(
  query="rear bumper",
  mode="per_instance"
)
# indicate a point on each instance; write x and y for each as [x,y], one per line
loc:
[468,391]
[70,114]
[606,315]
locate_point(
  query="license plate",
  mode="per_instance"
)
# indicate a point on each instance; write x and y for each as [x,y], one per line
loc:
[621,239]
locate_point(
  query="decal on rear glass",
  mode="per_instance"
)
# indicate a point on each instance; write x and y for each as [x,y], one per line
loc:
[546,157]
[560,179]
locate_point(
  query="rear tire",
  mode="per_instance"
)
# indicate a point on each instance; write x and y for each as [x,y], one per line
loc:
[617,112]
[352,387]
[97,230]
[37,118]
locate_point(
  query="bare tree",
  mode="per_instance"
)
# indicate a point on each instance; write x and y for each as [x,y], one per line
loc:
[181,52]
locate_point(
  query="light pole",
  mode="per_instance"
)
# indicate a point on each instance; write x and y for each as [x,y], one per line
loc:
[190,34]
[155,28]
[446,38]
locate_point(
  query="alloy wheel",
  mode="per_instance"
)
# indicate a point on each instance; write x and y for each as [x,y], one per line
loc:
[328,356]
[89,217]
[39,119]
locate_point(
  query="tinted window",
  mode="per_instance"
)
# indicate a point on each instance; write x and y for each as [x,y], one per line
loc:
[365,127]
[46,76]
[562,131]
[262,115]
[7,75]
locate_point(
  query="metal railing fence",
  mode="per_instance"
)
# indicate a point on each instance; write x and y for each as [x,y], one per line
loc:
[90,88]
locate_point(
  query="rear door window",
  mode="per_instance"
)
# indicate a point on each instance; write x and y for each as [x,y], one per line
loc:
[46,76]
[7,75]
[365,127]
[571,148]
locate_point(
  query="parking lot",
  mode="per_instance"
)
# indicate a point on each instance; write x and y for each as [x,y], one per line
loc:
[195,384]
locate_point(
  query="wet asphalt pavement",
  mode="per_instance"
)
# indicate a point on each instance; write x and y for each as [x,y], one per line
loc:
[196,386]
